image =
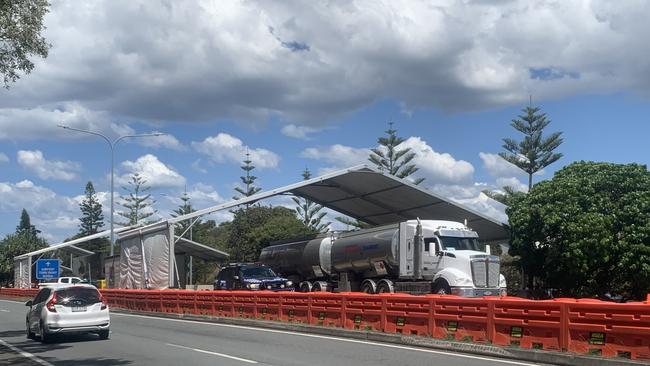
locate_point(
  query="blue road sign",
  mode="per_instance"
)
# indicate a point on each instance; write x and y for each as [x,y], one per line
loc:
[47,269]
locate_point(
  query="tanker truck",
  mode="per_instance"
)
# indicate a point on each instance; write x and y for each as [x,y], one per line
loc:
[415,256]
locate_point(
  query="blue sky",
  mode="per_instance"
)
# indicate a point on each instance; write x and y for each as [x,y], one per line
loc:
[226,82]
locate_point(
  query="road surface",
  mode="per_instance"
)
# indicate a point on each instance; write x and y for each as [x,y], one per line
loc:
[141,340]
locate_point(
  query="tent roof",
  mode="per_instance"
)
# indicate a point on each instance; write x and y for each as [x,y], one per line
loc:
[186,246]
[70,245]
[367,194]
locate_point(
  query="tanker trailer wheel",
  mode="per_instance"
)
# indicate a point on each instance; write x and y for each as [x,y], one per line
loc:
[369,286]
[385,287]
[319,286]
[305,286]
[441,287]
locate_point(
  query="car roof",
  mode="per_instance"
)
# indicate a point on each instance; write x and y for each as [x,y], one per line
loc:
[66,286]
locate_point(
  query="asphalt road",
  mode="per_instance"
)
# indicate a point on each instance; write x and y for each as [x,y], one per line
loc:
[140,340]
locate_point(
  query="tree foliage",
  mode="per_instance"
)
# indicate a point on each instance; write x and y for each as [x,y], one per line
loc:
[248,180]
[309,212]
[138,202]
[534,152]
[92,218]
[24,240]
[21,25]
[586,232]
[391,159]
[256,227]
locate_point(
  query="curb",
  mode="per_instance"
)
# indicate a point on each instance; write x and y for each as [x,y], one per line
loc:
[546,357]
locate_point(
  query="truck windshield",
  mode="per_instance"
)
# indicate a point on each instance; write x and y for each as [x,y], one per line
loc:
[453,243]
[257,272]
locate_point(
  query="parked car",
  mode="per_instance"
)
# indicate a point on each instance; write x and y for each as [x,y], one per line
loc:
[60,281]
[250,276]
[63,309]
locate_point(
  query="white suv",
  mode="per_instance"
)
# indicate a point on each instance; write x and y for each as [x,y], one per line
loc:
[67,309]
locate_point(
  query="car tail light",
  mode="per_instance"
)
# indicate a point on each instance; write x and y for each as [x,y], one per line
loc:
[50,304]
[103,300]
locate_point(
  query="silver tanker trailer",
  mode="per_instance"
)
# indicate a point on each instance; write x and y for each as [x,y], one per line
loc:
[428,256]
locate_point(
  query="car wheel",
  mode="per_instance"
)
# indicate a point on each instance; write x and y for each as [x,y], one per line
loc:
[45,338]
[103,334]
[30,334]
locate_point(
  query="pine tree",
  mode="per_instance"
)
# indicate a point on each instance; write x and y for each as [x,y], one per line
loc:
[138,202]
[184,209]
[309,212]
[248,180]
[25,226]
[92,218]
[387,157]
[534,152]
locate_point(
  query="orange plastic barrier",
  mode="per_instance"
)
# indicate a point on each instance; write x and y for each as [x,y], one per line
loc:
[407,314]
[528,324]
[461,319]
[608,329]
[362,311]
[582,326]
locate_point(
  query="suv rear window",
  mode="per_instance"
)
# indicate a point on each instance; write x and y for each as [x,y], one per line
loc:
[88,295]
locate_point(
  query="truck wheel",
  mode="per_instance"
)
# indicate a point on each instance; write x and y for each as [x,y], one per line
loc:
[385,287]
[319,286]
[441,287]
[369,287]
[305,286]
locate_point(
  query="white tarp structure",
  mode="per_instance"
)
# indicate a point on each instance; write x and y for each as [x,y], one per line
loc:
[148,257]
[145,258]
[23,264]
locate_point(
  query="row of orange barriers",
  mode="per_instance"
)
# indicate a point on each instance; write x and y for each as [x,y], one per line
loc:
[582,326]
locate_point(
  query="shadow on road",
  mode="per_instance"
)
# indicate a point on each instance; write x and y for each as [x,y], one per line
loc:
[12,333]
[99,361]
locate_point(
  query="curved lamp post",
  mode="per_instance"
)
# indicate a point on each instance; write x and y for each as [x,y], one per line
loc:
[112,146]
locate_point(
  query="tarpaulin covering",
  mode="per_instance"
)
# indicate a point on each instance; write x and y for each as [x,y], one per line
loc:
[144,258]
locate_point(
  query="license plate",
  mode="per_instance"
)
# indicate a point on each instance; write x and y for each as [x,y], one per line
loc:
[78,308]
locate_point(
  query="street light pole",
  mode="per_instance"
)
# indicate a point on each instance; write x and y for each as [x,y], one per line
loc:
[112,144]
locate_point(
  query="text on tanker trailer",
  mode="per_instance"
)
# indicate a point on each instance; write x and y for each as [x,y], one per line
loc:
[427,256]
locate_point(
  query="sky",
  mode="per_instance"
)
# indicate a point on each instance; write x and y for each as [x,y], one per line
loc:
[313,85]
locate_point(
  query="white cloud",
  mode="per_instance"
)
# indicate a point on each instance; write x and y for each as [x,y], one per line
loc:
[56,215]
[512,182]
[155,172]
[225,148]
[35,162]
[196,165]
[298,132]
[4,158]
[340,156]
[437,167]
[310,62]
[498,167]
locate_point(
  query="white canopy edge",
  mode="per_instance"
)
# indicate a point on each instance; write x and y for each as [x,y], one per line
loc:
[73,242]
[319,179]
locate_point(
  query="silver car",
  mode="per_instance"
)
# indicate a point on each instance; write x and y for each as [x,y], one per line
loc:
[67,309]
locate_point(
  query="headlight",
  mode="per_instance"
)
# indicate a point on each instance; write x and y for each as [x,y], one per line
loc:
[282,286]
[253,286]
[289,283]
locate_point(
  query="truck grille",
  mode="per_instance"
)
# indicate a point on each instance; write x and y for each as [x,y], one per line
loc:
[485,271]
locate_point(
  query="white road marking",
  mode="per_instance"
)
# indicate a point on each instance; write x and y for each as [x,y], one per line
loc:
[4,311]
[16,302]
[25,354]
[213,353]
[371,343]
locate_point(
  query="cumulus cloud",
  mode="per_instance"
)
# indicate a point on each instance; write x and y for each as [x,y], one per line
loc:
[437,167]
[4,158]
[298,132]
[54,214]
[156,173]
[35,162]
[311,62]
[498,167]
[225,148]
